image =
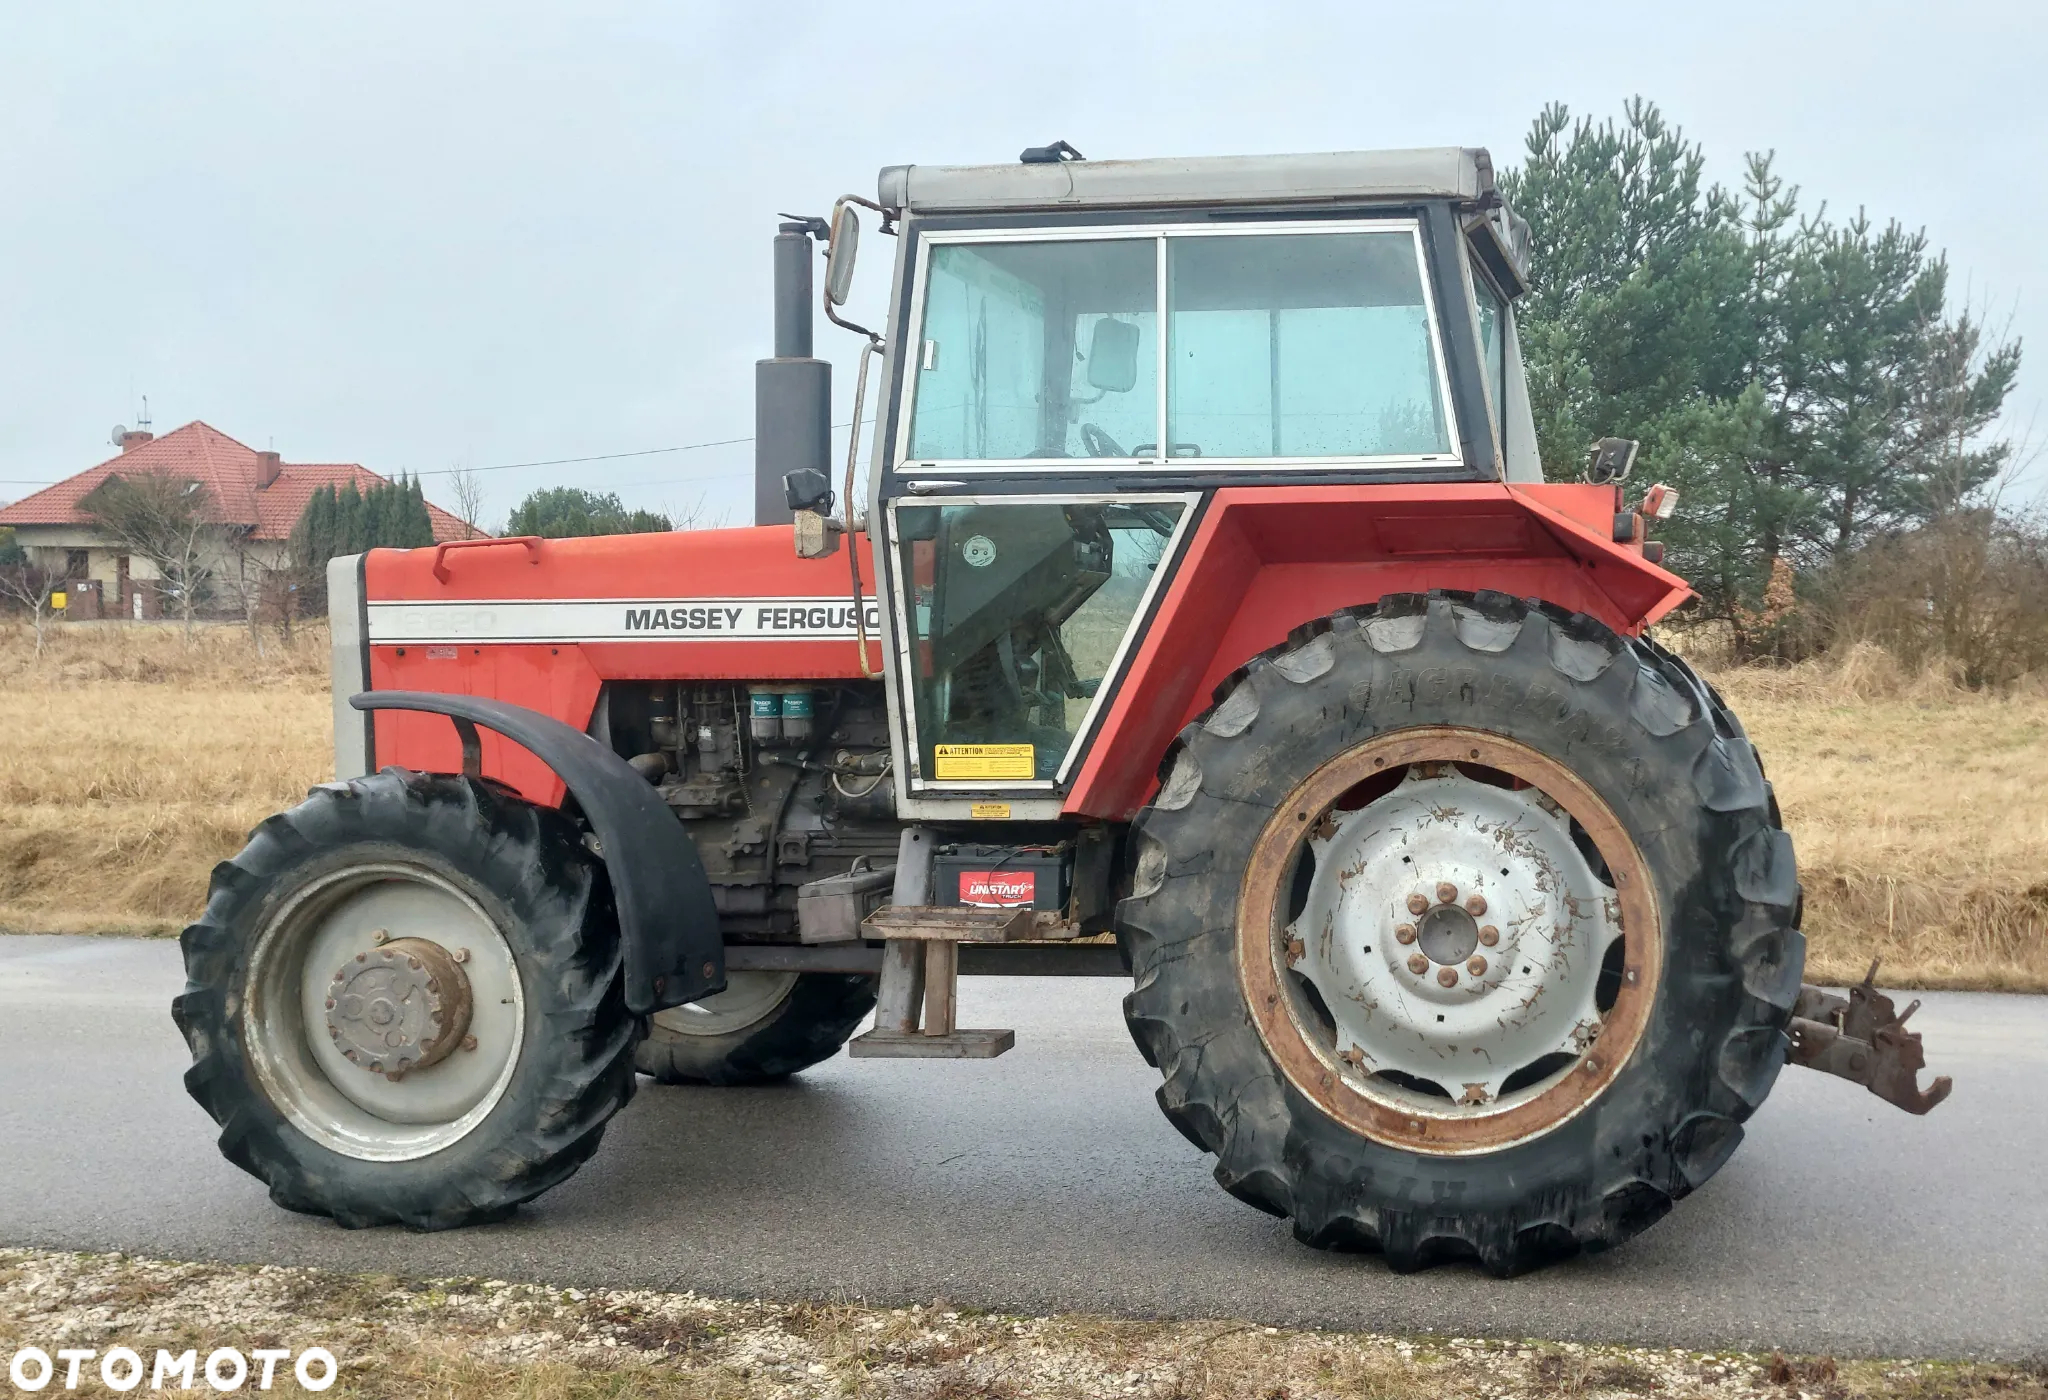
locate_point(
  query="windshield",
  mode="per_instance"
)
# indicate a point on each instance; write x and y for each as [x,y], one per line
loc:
[1279,345]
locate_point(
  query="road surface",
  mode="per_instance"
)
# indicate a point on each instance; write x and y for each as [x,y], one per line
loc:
[1047,1181]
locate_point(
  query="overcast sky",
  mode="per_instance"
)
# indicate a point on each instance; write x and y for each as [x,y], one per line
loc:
[422,237]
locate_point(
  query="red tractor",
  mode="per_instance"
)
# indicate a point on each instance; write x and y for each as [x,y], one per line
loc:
[1207,621]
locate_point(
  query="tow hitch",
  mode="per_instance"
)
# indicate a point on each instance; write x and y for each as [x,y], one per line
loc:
[1862,1038]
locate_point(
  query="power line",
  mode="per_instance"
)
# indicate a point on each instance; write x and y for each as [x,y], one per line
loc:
[600,457]
[560,461]
[608,456]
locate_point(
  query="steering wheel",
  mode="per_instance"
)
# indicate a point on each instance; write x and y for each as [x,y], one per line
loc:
[1099,443]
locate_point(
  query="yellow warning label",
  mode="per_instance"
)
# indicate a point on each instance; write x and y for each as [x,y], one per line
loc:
[1000,762]
[990,811]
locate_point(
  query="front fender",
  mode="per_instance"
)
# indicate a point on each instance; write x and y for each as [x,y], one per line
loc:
[674,951]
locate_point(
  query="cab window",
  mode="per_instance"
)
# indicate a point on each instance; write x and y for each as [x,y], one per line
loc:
[1302,346]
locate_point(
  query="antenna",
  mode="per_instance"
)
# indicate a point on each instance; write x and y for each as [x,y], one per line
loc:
[143,421]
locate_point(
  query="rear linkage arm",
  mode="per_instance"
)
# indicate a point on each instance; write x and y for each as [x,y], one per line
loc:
[1862,1038]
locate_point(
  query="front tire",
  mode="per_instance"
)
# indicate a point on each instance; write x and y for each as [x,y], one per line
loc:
[763,1027]
[1310,920]
[404,1003]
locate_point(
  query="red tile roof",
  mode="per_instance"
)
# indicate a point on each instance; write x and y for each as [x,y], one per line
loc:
[230,471]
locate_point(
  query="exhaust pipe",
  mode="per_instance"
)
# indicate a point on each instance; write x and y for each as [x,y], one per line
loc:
[793,391]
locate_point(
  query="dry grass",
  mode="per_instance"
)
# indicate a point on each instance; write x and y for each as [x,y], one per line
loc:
[1917,811]
[133,763]
[464,1338]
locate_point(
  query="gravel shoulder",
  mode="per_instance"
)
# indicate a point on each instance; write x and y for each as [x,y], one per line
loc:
[461,1338]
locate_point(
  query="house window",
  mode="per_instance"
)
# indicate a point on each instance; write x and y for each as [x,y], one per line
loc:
[77,563]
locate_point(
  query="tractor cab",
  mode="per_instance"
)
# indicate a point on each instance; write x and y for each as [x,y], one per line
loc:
[1080,352]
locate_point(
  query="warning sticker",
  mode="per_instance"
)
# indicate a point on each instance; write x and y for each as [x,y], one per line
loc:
[989,811]
[998,889]
[998,762]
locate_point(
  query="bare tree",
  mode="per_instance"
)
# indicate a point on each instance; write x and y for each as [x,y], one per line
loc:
[468,489]
[23,582]
[697,515]
[246,580]
[165,520]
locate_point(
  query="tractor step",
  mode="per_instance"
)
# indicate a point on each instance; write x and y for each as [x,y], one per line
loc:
[919,995]
[916,1045]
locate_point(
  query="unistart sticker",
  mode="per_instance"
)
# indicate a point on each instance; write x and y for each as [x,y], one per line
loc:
[620,620]
[995,762]
[998,889]
[979,551]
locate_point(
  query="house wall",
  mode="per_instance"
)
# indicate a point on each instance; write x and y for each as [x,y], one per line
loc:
[228,562]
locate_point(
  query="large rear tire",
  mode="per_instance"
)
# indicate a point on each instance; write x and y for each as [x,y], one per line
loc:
[764,1026]
[404,1003]
[1462,926]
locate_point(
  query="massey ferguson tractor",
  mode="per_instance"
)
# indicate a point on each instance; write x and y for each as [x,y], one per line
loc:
[1206,621]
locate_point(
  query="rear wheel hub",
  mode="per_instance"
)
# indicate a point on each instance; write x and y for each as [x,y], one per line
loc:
[1451,1010]
[1448,942]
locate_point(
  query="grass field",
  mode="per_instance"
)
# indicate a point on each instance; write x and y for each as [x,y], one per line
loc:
[132,763]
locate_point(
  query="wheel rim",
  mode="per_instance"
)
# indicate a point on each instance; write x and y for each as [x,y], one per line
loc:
[1424,937]
[356,1024]
[748,999]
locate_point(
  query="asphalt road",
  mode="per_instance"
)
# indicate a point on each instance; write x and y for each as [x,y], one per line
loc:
[1047,1181]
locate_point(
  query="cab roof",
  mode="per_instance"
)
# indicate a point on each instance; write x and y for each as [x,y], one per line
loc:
[1462,173]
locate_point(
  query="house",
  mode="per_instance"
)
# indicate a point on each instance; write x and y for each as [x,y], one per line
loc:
[255,497]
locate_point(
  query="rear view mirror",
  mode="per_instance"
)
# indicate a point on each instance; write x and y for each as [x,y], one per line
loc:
[839,254]
[1113,356]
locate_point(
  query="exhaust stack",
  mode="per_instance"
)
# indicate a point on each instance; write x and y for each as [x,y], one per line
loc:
[793,391]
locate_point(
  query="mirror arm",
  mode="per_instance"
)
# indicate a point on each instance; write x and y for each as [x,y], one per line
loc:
[874,341]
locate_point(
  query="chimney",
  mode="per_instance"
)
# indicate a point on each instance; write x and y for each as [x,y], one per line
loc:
[134,438]
[793,391]
[268,465]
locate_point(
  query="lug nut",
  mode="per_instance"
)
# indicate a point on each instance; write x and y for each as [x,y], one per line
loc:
[380,935]
[1477,967]
[469,1042]
[1418,904]
[1447,977]
[460,955]
[1447,893]
[1418,964]
[1489,935]
[1476,905]
[1404,933]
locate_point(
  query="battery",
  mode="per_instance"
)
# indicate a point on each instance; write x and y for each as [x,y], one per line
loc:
[1002,877]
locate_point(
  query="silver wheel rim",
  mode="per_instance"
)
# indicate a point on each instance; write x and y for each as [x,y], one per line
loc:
[749,998]
[334,922]
[1454,933]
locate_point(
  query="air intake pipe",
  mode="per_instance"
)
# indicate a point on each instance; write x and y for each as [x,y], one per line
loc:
[793,391]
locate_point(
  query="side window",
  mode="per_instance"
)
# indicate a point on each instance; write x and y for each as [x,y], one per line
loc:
[1287,342]
[1300,345]
[1033,350]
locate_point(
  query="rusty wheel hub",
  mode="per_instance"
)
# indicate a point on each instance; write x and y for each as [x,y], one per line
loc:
[402,1006]
[1438,931]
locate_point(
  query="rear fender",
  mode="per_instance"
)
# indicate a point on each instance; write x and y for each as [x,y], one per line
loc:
[674,951]
[1265,560]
